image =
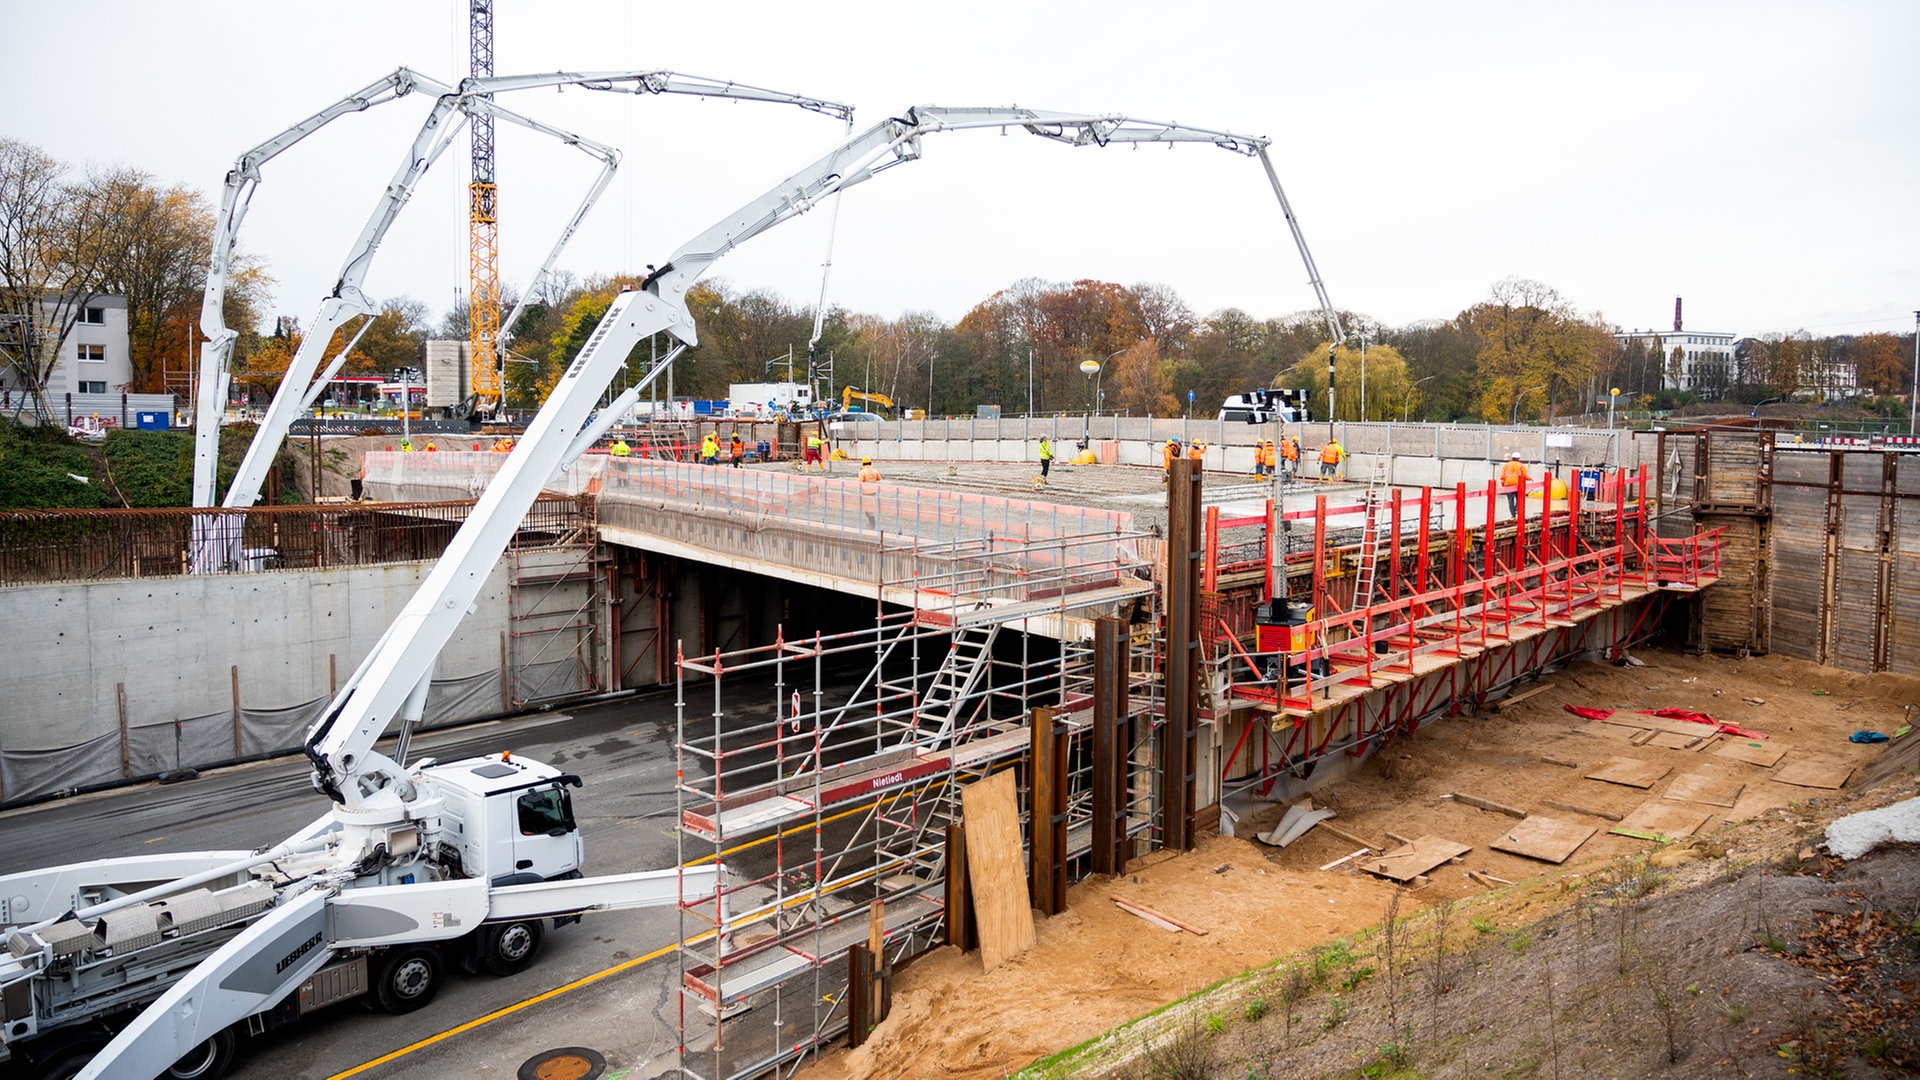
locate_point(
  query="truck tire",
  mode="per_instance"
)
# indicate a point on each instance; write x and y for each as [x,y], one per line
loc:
[408,979]
[509,948]
[65,1062]
[208,1061]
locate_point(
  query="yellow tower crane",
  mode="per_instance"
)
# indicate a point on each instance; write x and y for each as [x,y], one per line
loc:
[483,233]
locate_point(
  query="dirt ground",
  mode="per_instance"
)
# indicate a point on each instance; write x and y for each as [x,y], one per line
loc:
[1096,967]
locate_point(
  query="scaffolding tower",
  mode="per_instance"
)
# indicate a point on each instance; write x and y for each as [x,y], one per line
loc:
[830,806]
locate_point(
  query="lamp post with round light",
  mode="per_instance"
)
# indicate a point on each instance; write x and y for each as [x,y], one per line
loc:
[1090,368]
[1613,398]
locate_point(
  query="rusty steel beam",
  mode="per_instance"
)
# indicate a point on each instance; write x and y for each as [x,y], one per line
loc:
[1183,653]
[1109,745]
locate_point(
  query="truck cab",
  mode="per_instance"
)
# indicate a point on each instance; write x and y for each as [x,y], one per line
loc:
[505,819]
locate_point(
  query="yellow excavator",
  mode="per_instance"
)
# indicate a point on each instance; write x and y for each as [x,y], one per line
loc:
[875,403]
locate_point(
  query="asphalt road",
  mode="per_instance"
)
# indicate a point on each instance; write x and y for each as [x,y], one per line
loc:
[624,751]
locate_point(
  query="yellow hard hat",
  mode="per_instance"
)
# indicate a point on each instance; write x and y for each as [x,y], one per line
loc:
[866,461]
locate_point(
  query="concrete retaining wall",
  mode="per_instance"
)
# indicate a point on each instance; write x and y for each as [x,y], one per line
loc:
[174,645]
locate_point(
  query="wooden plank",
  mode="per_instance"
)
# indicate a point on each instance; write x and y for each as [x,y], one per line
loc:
[1488,804]
[1415,859]
[1710,789]
[990,810]
[1580,810]
[1562,762]
[1661,821]
[1826,775]
[1547,839]
[1347,836]
[1632,772]
[1753,753]
[1344,859]
[1144,916]
[1136,906]
[1675,740]
[1512,700]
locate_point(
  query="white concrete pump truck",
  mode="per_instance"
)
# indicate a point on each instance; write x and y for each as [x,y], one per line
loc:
[153,965]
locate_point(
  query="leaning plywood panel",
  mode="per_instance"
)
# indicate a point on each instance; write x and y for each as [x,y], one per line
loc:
[991,812]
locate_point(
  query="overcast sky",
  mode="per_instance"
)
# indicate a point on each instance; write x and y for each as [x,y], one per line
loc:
[1757,158]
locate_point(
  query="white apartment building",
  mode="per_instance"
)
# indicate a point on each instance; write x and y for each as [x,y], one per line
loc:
[1705,360]
[96,357]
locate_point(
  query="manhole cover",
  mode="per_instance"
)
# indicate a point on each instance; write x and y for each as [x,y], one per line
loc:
[566,1063]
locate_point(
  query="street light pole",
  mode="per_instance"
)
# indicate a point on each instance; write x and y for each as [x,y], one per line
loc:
[1363,374]
[1408,396]
[1913,403]
[1613,396]
[1515,419]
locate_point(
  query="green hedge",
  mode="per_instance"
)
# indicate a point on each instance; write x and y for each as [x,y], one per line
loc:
[37,470]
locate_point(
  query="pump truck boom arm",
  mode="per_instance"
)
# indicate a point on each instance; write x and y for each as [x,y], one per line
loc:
[235,197]
[346,300]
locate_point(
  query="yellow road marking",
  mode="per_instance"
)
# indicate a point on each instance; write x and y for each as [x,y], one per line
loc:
[509,1010]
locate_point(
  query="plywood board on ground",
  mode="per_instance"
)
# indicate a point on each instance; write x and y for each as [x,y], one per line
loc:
[1409,861]
[1629,771]
[1711,789]
[1753,753]
[1002,911]
[1547,839]
[1814,774]
[1661,820]
[1679,740]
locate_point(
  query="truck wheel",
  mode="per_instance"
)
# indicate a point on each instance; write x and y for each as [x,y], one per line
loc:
[408,979]
[509,948]
[66,1062]
[208,1061]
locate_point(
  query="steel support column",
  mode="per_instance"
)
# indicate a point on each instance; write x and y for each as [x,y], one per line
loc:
[1183,652]
[1109,745]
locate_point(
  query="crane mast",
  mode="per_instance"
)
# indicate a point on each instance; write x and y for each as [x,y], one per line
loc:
[483,231]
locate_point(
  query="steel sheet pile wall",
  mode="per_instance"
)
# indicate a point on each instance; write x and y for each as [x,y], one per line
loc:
[1844,558]
[1732,496]
[1733,614]
[1903,631]
[1797,556]
[1858,596]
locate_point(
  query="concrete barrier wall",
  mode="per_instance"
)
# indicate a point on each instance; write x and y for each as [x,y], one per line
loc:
[174,644]
[1138,441]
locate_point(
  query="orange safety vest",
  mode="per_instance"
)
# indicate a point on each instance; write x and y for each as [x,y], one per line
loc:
[1289,450]
[1167,454]
[1196,451]
[1513,474]
[1331,454]
[869,474]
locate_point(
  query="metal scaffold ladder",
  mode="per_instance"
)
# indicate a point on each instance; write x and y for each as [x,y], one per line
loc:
[1373,539]
[951,690]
